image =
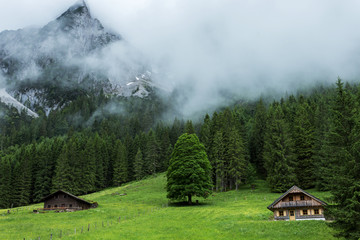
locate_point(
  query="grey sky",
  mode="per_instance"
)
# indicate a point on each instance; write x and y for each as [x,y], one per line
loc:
[240,46]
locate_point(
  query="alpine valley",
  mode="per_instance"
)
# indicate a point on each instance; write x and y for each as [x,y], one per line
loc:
[84,111]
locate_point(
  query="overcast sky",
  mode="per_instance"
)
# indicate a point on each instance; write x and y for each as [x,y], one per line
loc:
[239,46]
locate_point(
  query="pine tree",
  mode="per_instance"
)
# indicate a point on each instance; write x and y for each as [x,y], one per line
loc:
[88,173]
[278,155]
[101,155]
[43,152]
[5,182]
[152,154]
[219,162]
[303,134]
[176,130]
[344,139]
[63,179]
[120,164]
[258,138]
[321,122]
[235,153]
[22,177]
[131,146]
[139,165]
[162,137]
[189,128]
[205,133]
[189,173]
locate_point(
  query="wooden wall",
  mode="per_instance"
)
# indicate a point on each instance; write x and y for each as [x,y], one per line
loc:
[64,200]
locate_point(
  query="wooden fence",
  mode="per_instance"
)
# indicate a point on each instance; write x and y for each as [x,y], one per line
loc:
[60,233]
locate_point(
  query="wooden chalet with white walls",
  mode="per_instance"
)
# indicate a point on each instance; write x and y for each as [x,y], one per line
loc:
[296,204]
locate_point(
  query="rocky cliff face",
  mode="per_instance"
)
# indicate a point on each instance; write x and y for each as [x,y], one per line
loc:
[71,55]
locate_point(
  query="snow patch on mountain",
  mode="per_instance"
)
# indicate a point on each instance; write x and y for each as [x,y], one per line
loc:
[9,100]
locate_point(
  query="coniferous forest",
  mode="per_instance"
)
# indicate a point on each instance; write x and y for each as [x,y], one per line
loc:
[311,139]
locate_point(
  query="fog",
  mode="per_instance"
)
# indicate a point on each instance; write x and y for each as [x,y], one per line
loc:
[214,49]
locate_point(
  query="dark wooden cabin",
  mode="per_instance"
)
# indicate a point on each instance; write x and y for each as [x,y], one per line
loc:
[61,200]
[296,204]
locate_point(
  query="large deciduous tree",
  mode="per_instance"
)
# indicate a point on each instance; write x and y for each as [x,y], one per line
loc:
[189,172]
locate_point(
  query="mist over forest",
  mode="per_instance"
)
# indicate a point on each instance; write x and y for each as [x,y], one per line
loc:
[216,49]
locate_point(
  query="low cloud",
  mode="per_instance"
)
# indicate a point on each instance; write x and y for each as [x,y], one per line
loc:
[118,61]
[110,108]
[215,48]
[220,48]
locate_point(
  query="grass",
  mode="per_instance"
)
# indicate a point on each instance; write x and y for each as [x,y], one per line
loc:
[145,214]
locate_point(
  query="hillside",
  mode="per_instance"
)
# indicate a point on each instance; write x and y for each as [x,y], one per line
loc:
[145,214]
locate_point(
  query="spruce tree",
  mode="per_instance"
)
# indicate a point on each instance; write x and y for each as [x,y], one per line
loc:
[88,174]
[5,182]
[189,173]
[162,137]
[235,152]
[321,123]
[139,165]
[303,135]
[278,155]
[205,137]
[189,128]
[101,154]
[344,139]
[258,138]
[152,154]
[120,164]
[64,178]
[22,177]
[219,162]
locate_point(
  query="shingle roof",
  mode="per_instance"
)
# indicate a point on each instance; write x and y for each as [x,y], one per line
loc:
[50,195]
[289,191]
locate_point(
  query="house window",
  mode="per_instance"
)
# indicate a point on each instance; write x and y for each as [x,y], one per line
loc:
[49,206]
[70,205]
[305,212]
[65,196]
[316,211]
[291,199]
[292,213]
[55,206]
[302,197]
[281,213]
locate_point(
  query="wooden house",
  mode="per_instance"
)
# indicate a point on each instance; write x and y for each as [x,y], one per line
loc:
[61,200]
[296,204]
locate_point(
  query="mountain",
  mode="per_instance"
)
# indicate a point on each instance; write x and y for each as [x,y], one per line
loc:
[73,55]
[9,100]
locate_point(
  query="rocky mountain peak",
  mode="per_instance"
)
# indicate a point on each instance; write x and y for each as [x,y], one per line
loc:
[78,16]
[78,9]
[48,67]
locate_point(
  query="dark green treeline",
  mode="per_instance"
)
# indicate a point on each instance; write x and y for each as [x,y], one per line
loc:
[310,139]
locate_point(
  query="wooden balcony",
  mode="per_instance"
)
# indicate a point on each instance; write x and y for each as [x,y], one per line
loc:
[295,204]
[310,216]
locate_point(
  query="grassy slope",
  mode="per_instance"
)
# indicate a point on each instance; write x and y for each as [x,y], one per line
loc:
[144,215]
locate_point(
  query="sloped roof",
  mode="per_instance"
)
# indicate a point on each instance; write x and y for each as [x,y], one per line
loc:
[297,189]
[61,191]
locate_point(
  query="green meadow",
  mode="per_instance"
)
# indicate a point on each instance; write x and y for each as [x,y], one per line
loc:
[144,213]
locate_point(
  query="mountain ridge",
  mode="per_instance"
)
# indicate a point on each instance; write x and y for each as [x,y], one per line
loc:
[74,52]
